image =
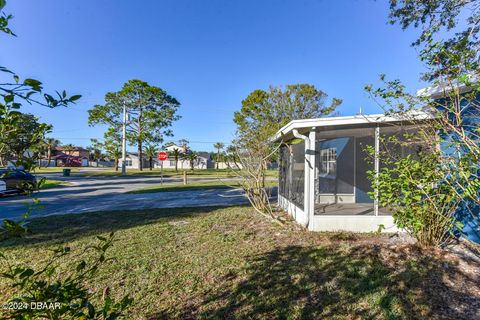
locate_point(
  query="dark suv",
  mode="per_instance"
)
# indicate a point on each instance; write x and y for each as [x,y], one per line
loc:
[18,180]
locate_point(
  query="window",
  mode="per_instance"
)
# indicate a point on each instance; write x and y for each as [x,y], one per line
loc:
[128,162]
[172,163]
[328,162]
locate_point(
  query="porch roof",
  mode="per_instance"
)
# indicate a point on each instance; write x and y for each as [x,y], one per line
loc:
[304,125]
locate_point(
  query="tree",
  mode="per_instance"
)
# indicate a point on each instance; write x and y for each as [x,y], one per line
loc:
[50,144]
[113,145]
[13,93]
[22,142]
[191,157]
[219,146]
[232,156]
[183,143]
[151,111]
[95,150]
[262,114]
[151,152]
[176,155]
[459,53]
[176,152]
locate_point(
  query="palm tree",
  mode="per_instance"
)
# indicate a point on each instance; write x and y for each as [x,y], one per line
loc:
[112,145]
[191,156]
[183,143]
[116,154]
[50,143]
[175,152]
[232,155]
[150,152]
[113,150]
[219,146]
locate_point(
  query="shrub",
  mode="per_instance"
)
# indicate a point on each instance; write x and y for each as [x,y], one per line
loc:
[418,190]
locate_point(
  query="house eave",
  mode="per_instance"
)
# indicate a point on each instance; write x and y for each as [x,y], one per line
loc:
[345,121]
[444,89]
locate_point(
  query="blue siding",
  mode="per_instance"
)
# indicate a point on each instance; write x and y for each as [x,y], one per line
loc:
[469,213]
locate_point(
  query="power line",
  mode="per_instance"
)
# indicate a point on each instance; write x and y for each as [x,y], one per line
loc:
[189,142]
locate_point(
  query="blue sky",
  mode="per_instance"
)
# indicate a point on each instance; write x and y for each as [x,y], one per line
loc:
[208,54]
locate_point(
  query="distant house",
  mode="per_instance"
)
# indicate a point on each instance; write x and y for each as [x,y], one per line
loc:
[132,160]
[70,157]
[203,161]
[75,151]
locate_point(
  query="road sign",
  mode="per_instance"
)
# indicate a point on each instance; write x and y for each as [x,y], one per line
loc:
[162,156]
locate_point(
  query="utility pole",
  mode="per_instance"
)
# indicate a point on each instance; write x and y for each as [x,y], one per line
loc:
[124,141]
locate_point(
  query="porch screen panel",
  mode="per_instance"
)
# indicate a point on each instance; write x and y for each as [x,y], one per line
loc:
[341,180]
[292,173]
[283,172]
[364,164]
[335,165]
[396,142]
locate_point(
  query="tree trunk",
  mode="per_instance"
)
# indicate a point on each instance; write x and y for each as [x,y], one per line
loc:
[140,155]
[139,140]
[151,162]
[218,158]
[176,162]
[191,165]
[116,164]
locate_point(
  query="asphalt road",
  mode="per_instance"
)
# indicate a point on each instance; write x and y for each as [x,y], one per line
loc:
[88,194]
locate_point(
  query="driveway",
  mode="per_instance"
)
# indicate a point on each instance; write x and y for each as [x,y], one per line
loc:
[88,194]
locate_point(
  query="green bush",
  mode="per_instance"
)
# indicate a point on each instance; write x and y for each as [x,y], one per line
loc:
[418,190]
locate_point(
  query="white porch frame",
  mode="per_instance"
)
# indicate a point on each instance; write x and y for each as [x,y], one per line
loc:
[309,187]
[307,217]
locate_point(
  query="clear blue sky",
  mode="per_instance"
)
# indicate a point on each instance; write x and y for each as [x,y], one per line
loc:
[208,54]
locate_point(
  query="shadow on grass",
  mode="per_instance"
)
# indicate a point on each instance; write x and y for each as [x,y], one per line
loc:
[63,228]
[329,282]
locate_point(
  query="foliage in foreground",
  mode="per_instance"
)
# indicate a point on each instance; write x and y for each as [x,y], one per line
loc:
[34,291]
[426,207]
[43,293]
[431,192]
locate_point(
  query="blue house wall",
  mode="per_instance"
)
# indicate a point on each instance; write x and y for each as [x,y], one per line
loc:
[469,212]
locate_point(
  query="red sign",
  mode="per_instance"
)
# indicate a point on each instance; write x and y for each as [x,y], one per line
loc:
[162,156]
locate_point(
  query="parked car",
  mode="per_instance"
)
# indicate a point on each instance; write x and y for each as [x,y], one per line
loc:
[17,180]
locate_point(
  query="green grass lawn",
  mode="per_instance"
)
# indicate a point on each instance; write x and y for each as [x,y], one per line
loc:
[54,169]
[225,173]
[49,184]
[197,185]
[217,263]
[107,172]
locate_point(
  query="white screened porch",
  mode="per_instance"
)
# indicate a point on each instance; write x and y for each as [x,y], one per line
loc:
[323,177]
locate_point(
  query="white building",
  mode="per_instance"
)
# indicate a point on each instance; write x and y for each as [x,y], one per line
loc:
[203,161]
